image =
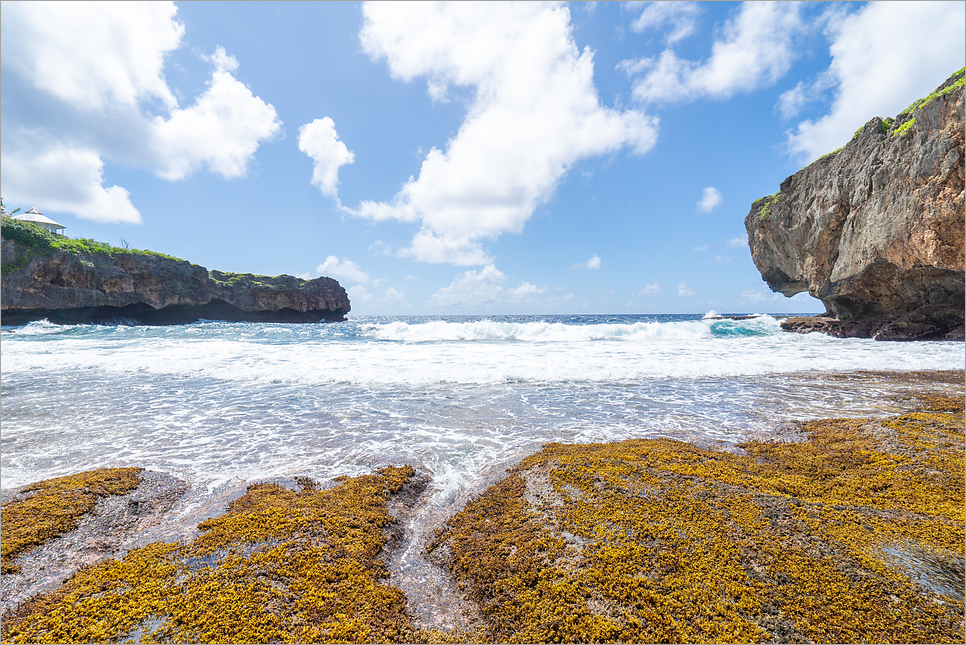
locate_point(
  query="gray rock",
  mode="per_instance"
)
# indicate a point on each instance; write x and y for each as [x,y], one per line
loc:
[875,229]
[70,287]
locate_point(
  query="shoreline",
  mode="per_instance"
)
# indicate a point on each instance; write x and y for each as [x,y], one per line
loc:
[540,496]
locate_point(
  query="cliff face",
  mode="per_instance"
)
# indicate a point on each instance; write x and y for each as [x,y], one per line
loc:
[875,229]
[69,286]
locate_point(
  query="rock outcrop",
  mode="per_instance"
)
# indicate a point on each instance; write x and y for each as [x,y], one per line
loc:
[875,229]
[87,282]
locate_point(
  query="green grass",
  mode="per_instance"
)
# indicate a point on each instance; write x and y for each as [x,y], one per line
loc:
[935,95]
[43,242]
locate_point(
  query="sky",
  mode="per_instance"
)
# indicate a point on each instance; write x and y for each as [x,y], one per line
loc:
[454,158]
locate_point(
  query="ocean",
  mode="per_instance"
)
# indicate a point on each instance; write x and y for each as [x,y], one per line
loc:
[459,397]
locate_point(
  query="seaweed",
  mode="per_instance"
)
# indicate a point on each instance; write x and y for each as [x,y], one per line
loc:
[662,541]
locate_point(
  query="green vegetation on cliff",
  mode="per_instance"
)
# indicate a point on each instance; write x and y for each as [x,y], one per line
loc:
[770,200]
[42,242]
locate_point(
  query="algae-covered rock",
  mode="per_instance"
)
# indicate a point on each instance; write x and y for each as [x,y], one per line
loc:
[854,535]
[47,509]
[279,566]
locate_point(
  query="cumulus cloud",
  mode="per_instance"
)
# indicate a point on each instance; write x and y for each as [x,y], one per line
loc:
[737,242]
[471,288]
[25,178]
[791,102]
[102,63]
[592,263]
[679,16]
[93,55]
[702,248]
[320,141]
[393,295]
[221,130]
[525,289]
[709,199]
[880,64]
[649,290]
[535,112]
[345,270]
[755,48]
[684,290]
[358,294]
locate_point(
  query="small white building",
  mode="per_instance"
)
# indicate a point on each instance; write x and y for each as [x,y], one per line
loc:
[34,216]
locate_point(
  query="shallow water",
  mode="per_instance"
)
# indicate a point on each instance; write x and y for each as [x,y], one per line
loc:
[461,398]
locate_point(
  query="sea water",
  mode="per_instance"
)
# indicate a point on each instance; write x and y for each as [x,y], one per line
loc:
[221,405]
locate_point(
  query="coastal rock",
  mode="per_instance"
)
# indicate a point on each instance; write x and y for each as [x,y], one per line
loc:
[86,282]
[875,230]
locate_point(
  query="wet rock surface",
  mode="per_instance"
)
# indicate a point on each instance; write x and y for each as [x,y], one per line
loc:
[875,230]
[100,535]
[839,530]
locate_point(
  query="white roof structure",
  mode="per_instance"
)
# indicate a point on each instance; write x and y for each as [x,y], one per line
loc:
[34,216]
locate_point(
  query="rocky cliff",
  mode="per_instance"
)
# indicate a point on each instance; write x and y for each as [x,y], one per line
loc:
[82,281]
[875,229]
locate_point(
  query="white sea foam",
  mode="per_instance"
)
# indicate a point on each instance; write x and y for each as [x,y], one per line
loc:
[221,404]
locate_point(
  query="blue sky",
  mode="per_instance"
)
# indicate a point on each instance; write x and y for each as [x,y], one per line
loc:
[453,158]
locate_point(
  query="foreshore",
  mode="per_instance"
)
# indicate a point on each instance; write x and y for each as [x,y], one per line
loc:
[846,530]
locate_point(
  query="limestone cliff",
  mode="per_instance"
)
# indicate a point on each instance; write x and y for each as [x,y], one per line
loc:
[875,229]
[82,281]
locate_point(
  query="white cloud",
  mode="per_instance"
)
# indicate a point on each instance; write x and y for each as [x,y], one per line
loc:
[222,130]
[679,15]
[709,199]
[684,290]
[525,289]
[737,242]
[26,178]
[592,263]
[471,288]
[881,62]
[702,248]
[320,141]
[756,48]
[358,294]
[345,270]
[752,297]
[394,295]
[649,290]
[93,55]
[721,259]
[104,62]
[535,112]
[792,101]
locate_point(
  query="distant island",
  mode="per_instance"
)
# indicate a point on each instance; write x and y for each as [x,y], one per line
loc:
[875,229]
[77,281]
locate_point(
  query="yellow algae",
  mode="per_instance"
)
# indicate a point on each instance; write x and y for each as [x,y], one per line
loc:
[55,507]
[661,541]
[278,566]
